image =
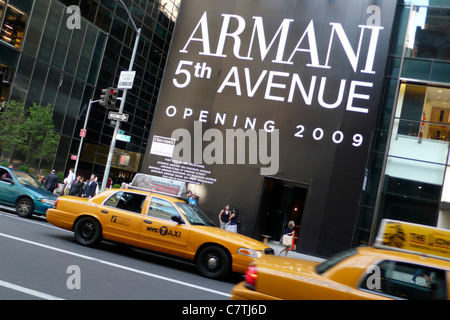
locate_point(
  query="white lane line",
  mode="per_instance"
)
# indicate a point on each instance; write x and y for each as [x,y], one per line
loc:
[28,291]
[115,265]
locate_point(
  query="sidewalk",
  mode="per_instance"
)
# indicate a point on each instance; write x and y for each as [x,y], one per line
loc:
[275,245]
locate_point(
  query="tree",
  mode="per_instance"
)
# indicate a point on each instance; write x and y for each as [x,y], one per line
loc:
[39,138]
[29,131]
[11,127]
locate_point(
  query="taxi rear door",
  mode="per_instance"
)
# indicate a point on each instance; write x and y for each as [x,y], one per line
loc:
[159,232]
[122,216]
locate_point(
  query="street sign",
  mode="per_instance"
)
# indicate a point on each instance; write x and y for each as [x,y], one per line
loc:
[118,116]
[83,133]
[126,79]
[123,137]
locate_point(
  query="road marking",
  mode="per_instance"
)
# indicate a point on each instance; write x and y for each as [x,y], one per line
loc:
[115,265]
[28,291]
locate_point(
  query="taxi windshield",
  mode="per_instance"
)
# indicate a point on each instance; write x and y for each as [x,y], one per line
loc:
[194,215]
[334,260]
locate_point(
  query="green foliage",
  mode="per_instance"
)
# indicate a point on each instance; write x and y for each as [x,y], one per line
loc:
[24,169]
[11,127]
[28,130]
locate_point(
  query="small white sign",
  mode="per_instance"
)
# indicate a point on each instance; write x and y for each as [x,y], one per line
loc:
[126,79]
[162,146]
[122,137]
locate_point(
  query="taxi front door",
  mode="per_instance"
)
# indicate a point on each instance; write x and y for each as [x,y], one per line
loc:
[159,232]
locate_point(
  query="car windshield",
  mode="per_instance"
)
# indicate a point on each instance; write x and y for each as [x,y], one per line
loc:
[334,260]
[194,215]
[26,179]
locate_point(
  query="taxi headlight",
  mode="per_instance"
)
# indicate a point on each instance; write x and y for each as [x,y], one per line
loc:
[250,252]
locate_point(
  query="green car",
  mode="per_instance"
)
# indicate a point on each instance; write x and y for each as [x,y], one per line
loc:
[20,190]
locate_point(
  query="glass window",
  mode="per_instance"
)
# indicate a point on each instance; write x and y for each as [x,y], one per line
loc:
[97,58]
[22,78]
[86,52]
[407,281]
[35,89]
[103,19]
[194,215]
[61,47]
[37,24]
[15,21]
[73,107]
[50,31]
[62,98]
[162,209]
[334,260]
[75,47]
[127,201]
[426,111]
[8,64]
[428,33]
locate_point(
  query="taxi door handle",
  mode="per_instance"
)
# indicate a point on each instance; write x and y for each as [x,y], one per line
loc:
[148,221]
[104,211]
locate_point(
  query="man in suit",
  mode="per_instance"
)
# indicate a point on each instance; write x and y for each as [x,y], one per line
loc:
[51,183]
[91,187]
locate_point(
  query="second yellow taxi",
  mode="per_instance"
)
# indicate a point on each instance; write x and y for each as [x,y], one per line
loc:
[159,223]
[409,262]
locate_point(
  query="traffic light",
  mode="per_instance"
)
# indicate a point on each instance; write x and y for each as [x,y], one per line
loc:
[108,97]
[104,98]
[113,97]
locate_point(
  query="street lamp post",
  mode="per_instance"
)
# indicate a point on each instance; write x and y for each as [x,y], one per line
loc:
[122,103]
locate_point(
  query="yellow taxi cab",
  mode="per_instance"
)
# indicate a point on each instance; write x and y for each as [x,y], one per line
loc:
[372,273]
[156,222]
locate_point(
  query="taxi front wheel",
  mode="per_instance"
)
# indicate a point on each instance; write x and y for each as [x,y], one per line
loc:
[213,262]
[88,232]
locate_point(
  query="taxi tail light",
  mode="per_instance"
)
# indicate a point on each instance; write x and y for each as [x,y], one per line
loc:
[56,202]
[250,277]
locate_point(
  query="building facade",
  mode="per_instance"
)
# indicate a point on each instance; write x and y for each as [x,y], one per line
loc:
[408,166]
[404,173]
[53,53]
[231,67]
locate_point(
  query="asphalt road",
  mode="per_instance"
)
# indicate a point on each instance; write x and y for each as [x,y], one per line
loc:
[40,261]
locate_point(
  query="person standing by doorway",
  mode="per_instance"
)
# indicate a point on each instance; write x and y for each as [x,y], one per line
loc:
[232,226]
[224,217]
[289,233]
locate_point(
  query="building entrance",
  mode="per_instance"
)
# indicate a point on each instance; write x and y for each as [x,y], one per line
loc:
[281,202]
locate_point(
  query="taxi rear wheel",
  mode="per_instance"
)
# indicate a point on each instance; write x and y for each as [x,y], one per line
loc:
[213,262]
[88,232]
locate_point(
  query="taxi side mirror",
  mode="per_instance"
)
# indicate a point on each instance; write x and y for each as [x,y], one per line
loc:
[177,219]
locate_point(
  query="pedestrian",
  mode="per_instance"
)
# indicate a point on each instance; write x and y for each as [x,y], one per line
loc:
[289,236]
[234,217]
[193,200]
[51,182]
[224,217]
[68,182]
[77,187]
[91,187]
[41,176]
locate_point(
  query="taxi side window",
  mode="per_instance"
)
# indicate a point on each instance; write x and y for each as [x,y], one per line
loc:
[162,209]
[407,281]
[127,201]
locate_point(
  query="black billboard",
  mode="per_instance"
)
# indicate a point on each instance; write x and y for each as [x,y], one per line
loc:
[261,92]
